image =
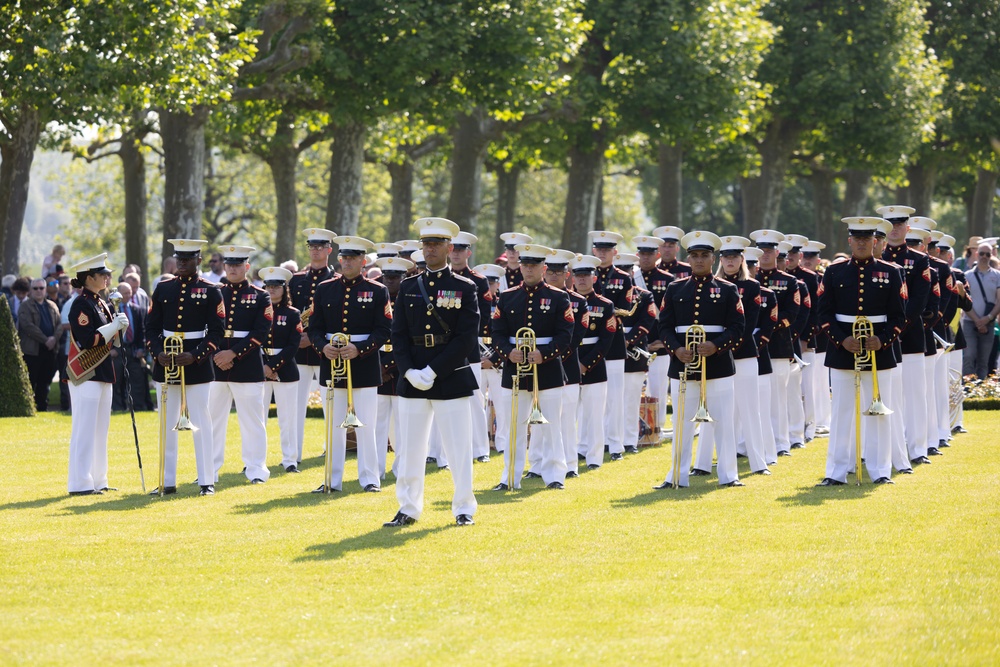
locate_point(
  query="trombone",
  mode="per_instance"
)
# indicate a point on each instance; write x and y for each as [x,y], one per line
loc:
[340,369]
[525,342]
[172,346]
[864,360]
[693,337]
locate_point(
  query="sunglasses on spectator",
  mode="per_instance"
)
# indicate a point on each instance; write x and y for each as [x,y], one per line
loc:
[984,254]
[42,287]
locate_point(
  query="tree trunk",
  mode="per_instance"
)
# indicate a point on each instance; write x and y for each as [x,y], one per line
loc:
[134,182]
[585,173]
[402,175]
[825,229]
[922,177]
[762,193]
[469,153]
[671,164]
[282,159]
[183,138]
[506,206]
[856,193]
[347,161]
[981,219]
[15,175]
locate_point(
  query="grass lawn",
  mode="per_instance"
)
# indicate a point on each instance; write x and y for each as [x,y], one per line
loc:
[778,572]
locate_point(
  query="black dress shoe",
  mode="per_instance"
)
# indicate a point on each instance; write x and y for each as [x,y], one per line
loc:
[905,471]
[532,475]
[399,521]
[933,451]
[632,449]
[554,485]
[798,445]
[593,466]
[831,482]
[741,456]
[958,429]
[735,482]
[431,459]
[105,489]
[88,492]
[500,487]
[167,490]
[483,459]
[698,472]
[765,471]
[809,439]
[920,460]
[944,443]
[372,488]
[784,453]
[243,472]
[884,480]
[668,485]
[322,489]
[617,456]
[572,473]
[256,480]
[207,490]
[292,468]
[581,457]
[464,520]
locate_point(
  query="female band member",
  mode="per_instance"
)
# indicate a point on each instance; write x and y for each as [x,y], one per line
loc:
[280,370]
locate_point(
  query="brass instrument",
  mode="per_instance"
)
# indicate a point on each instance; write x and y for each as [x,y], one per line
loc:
[304,317]
[696,336]
[172,373]
[693,337]
[340,369]
[864,360]
[525,342]
[945,345]
[636,353]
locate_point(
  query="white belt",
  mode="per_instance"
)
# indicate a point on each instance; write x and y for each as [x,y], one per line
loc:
[273,351]
[627,329]
[229,333]
[874,319]
[709,328]
[545,340]
[355,338]
[186,335]
[589,340]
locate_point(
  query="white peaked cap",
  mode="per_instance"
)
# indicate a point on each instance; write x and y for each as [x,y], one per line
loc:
[626,259]
[605,237]
[397,264]
[752,254]
[734,243]
[766,237]
[95,263]
[494,271]
[560,256]
[533,251]
[895,211]
[317,235]
[584,262]
[701,240]
[387,249]
[813,246]
[923,223]
[515,238]
[465,238]
[669,233]
[274,273]
[235,253]
[355,244]
[647,242]
[408,245]
[187,245]
[796,240]
[436,228]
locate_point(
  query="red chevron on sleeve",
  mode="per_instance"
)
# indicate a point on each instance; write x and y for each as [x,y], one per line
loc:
[927,274]
[568,315]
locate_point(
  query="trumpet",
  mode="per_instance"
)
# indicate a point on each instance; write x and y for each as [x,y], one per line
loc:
[864,360]
[636,353]
[945,345]
[526,343]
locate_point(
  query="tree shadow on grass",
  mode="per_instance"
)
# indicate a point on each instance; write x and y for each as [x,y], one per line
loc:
[33,504]
[382,538]
[817,495]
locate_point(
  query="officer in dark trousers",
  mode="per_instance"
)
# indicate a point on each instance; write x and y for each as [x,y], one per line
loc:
[715,306]
[434,329]
[875,289]
[239,366]
[191,308]
[544,310]
[301,288]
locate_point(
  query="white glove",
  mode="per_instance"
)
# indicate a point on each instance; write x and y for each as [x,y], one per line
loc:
[415,378]
[108,330]
[428,375]
[121,319]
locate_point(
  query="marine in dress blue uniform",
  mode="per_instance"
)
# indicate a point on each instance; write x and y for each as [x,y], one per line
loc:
[807,337]
[432,338]
[386,428]
[761,335]
[191,307]
[796,412]
[821,378]
[650,277]
[512,272]
[669,250]
[281,373]
[637,326]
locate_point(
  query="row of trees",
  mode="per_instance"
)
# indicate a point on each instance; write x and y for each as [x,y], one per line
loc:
[754,93]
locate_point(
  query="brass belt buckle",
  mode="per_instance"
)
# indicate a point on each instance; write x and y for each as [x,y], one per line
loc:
[428,340]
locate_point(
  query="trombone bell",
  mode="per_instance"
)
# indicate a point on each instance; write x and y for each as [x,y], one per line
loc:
[351,420]
[536,416]
[702,414]
[184,423]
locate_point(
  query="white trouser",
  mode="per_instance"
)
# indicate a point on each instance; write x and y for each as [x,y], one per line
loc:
[809,391]
[385,432]
[747,412]
[248,397]
[955,371]
[657,385]
[546,439]
[366,408]
[88,440]
[477,404]
[590,421]
[930,401]
[308,380]
[719,395]
[912,404]
[821,390]
[567,418]
[633,396]
[940,394]
[897,431]
[414,428]
[840,456]
[491,385]
[614,408]
[435,448]
[796,413]
[766,430]
[286,401]
[780,371]
[201,417]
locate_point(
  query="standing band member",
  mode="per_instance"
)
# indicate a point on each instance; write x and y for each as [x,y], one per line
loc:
[301,288]
[492,363]
[862,286]
[766,321]
[434,330]
[191,308]
[638,325]
[512,272]
[358,309]
[820,376]
[650,277]
[715,306]
[671,237]
[807,338]
[92,328]
[280,371]
[544,310]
